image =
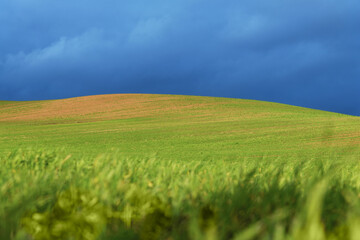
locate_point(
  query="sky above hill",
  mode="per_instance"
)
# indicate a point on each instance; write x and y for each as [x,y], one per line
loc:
[299,52]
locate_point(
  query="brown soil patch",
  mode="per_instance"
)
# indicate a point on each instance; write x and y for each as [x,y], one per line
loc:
[99,107]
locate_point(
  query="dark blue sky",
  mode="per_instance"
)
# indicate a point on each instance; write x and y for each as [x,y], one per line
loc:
[300,52]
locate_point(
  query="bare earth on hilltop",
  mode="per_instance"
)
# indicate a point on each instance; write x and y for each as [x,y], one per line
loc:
[106,107]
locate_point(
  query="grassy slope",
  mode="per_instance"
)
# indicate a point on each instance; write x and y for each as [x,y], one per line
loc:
[175,127]
[118,196]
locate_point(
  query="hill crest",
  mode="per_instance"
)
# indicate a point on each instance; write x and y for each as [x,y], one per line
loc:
[124,106]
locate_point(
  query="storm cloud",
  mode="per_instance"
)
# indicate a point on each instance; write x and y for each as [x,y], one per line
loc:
[298,52]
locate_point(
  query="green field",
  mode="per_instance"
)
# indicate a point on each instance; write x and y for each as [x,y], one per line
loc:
[138,166]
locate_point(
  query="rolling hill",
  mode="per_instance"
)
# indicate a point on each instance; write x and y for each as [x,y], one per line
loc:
[175,127]
[141,166]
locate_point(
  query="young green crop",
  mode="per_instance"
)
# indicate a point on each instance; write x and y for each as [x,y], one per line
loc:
[44,196]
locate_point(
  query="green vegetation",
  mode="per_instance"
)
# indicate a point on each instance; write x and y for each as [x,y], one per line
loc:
[113,197]
[177,128]
[191,168]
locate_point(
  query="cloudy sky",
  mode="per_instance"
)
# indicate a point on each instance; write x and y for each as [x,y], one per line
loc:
[299,52]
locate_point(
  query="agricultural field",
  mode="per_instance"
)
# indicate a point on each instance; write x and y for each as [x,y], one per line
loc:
[142,166]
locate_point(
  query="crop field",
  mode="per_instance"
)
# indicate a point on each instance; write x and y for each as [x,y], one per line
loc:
[142,166]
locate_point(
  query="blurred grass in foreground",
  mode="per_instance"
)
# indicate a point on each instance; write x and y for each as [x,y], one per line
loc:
[45,196]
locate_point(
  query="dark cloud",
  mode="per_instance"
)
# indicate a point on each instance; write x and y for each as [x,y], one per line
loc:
[297,52]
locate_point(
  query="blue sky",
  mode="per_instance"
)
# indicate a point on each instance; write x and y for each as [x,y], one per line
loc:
[299,52]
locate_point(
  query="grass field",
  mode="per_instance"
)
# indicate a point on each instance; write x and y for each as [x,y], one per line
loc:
[136,166]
